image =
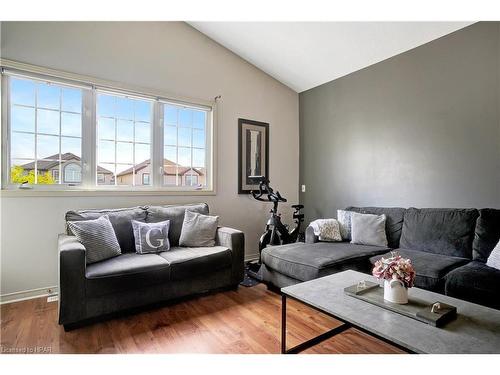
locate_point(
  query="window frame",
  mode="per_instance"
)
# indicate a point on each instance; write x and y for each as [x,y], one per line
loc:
[89,134]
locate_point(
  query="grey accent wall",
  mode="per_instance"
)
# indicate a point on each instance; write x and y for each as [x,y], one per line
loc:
[419,129]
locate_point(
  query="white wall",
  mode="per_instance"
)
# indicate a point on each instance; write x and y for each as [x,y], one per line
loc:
[172,57]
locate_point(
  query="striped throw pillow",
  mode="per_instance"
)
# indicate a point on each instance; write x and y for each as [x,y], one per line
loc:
[494,258]
[98,237]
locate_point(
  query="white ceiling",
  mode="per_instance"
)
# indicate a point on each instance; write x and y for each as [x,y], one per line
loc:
[303,55]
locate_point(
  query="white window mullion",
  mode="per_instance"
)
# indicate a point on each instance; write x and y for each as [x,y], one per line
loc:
[89,131]
[157,145]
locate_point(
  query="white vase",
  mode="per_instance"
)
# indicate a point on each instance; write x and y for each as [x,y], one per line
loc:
[395,291]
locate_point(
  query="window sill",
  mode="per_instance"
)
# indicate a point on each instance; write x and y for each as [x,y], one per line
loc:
[18,193]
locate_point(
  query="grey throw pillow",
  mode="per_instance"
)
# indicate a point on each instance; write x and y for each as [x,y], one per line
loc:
[344,219]
[494,258]
[151,237]
[198,230]
[98,237]
[367,229]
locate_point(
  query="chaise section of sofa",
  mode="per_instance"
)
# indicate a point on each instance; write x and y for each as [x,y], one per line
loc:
[132,280]
[294,263]
[302,262]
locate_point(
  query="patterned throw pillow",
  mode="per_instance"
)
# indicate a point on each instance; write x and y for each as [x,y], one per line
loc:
[98,237]
[327,230]
[494,258]
[151,237]
[344,219]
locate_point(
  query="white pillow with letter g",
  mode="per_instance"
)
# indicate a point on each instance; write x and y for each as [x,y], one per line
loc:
[151,237]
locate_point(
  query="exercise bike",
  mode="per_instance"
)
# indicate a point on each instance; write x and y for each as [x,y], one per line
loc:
[276,232]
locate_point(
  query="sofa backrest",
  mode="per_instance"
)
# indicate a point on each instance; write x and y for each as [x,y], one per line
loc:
[121,219]
[176,216]
[393,224]
[446,231]
[487,233]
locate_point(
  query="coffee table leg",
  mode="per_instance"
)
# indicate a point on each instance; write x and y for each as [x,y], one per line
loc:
[283,324]
[311,342]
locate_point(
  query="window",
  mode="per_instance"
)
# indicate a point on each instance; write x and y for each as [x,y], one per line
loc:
[124,136]
[55,175]
[72,173]
[71,133]
[45,130]
[185,145]
[191,180]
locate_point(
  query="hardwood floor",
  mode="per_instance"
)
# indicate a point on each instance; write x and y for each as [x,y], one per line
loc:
[242,321]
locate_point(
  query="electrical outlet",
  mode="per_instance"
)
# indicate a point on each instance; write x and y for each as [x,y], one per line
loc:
[52,298]
[303,188]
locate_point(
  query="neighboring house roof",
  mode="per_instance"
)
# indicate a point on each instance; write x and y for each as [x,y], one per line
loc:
[52,161]
[169,168]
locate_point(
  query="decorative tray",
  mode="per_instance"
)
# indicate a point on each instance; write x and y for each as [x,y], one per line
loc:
[415,308]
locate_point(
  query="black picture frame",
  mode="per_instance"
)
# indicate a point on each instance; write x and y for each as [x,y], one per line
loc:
[244,183]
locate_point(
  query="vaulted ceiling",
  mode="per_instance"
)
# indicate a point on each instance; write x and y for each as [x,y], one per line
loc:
[303,55]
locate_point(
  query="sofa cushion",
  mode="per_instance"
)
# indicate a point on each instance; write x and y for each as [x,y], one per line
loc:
[121,220]
[176,216]
[125,272]
[186,262]
[487,233]
[475,282]
[393,223]
[442,231]
[430,268]
[309,261]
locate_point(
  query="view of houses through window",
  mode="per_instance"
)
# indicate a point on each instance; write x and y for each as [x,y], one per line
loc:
[45,132]
[46,138]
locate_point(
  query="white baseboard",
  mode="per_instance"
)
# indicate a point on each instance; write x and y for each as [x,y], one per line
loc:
[28,294]
[250,257]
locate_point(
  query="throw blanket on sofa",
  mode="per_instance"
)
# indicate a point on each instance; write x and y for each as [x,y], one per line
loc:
[326,229]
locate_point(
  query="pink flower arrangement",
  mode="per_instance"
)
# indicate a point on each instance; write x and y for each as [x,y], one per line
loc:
[395,267]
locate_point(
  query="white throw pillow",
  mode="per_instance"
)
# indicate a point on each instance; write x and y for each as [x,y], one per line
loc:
[367,229]
[494,258]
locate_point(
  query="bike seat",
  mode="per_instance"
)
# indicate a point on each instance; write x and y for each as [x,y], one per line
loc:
[298,206]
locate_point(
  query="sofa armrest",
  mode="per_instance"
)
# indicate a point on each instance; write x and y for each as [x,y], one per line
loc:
[234,240]
[310,236]
[72,265]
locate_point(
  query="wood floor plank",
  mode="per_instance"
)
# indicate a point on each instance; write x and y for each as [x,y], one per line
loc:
[247,320]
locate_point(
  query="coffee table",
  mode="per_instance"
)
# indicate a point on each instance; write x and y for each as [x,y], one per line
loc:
[475,330]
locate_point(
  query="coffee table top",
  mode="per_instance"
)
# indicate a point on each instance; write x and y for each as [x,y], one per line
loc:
[475,330]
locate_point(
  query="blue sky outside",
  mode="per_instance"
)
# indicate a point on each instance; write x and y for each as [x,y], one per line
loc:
[58,119]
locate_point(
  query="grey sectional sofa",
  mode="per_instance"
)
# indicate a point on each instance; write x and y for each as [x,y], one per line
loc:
[448,247]
[131,280]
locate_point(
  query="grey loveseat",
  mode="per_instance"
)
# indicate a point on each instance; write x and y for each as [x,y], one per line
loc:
[131,280]
[448,247]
